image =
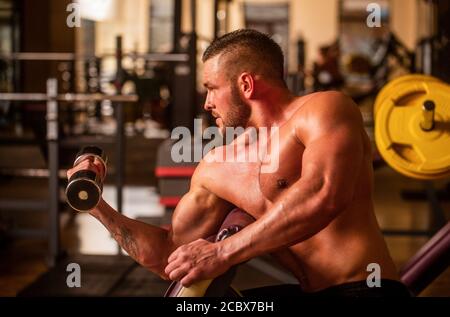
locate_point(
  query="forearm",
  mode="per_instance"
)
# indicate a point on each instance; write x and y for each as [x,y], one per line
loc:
[147,244]
[293,218]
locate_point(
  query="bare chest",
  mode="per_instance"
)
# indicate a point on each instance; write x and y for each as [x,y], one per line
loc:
[254,186]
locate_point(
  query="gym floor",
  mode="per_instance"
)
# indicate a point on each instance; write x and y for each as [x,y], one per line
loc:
[23,260]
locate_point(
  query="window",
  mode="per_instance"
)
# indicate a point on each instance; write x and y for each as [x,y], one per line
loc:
[271,19]
[161,26]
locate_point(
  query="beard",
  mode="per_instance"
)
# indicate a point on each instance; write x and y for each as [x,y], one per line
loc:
[240,111]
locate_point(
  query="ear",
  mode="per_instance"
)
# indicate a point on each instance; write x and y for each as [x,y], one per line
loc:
[246,84]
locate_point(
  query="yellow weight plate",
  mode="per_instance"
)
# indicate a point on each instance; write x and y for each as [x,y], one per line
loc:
[400,139]
[394,84]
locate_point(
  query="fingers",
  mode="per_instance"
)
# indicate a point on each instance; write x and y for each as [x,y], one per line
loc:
[185,274]
[174,254]
[183,264]
[179,264]
[101,167]
[189,279]
[176,269]
[179,272]
[90,163]
[171,267]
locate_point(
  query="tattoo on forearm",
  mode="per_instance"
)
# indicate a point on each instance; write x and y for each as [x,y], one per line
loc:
[123,236]
[127,241]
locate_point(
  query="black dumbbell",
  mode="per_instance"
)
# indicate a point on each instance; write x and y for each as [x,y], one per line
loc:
[85,187]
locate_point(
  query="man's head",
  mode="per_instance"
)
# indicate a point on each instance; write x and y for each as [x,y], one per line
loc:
[233,63]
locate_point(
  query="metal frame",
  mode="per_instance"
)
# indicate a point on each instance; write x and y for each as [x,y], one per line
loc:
[120,137]
[53,166]
[53,172]
[66,97]
[42,56]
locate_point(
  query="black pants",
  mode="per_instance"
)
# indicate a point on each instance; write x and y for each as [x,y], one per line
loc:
[389,288]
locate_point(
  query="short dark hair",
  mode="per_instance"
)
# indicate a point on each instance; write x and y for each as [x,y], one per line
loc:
[249,50]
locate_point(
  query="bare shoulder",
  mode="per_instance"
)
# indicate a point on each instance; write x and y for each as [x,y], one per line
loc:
[329,105]
[321,113]
[204,170]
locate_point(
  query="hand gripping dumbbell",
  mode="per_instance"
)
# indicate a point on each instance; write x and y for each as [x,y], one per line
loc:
[85,187]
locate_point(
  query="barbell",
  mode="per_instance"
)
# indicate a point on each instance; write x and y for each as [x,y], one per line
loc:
[414,79]
[412,126]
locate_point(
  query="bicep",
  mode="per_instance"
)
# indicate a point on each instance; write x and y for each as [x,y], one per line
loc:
[334,154]
[198,215]
[336,159]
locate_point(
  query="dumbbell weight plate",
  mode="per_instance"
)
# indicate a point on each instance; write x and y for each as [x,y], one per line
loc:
[85,187]
[83,191]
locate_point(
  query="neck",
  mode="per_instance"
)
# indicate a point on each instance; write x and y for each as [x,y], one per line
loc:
[269,107]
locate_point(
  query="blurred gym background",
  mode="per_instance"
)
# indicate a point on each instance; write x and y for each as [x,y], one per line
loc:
[149,53]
